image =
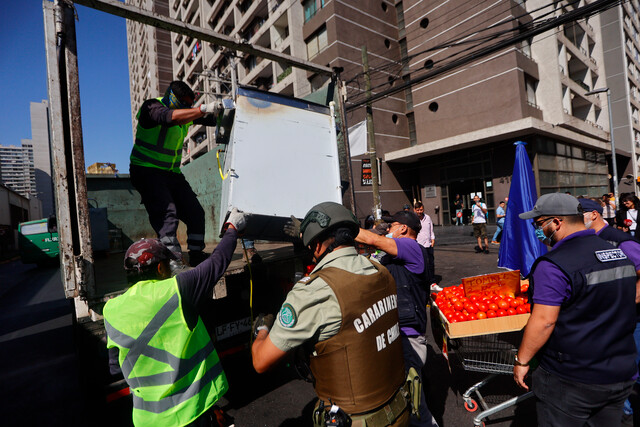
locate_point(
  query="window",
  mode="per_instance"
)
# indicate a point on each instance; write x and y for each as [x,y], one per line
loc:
[413,140]
[531,84]
[310,8]
[317,43]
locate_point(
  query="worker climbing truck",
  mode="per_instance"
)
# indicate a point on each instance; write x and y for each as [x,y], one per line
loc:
[266,144]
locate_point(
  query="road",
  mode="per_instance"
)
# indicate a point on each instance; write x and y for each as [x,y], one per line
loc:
[41,383]
[39,366]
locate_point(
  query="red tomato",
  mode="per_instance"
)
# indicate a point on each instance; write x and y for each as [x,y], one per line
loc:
[501,313]
[458,306]
[472,317]
[454,320]
[481,315]
[491,314]
[511,311]
[503,304]
[496,298]
[471,308]
[482,306]
[493,306]
[521,310]
[473,298]
[453,299]
[528,307]
[461,317]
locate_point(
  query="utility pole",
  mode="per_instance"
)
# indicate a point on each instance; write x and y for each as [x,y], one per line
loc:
[342,95]
[377,209]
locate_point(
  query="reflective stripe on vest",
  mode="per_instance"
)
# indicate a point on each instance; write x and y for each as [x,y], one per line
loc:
[167,388]
[159,147]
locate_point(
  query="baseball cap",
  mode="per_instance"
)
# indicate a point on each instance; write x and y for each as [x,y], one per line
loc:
[554,204]
[408,218]
[146,252]
[589,205]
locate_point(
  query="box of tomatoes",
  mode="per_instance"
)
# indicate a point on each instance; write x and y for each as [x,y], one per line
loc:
[487,304]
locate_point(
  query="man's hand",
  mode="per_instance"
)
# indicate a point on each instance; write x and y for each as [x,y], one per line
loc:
[262,322]
[292,227]
[211,108]
[237,219]
[519,374]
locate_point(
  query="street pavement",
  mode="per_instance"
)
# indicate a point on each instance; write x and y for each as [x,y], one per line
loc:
[45,383]
[38,376]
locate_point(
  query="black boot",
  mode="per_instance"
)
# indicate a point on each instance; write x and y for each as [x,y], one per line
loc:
[196,257]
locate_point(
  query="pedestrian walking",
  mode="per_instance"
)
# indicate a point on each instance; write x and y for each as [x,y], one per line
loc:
[479,213]
[500,215]
[581,323]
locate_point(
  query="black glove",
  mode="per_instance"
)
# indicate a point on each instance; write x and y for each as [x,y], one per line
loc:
[292,227]
[262,322]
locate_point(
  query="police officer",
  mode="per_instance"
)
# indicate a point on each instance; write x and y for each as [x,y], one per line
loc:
[163,124]
[347,310]
[408,263]
[157,338]
[582,321]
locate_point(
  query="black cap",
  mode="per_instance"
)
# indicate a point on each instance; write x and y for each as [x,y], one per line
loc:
[408,218]
[589,205]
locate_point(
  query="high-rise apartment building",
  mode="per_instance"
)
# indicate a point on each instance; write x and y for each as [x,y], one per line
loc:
[446,135]
[41,154]
[149,51]
[17,170]
[467,120]
[620,28]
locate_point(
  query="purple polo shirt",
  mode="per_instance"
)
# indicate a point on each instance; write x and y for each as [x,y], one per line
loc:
[410,253]
[551,286]
[631,248]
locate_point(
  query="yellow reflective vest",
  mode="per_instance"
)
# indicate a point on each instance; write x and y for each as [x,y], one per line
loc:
[174,373]
[160,146]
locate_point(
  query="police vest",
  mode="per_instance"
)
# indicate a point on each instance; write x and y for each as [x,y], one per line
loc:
[160,146]
[361,367]
[174,373]
[412,292]
[592,341]
[615,236]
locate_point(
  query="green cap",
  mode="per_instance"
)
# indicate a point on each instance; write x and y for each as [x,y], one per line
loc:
[326,216]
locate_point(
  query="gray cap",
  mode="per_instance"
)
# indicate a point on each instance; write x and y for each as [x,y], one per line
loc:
[554,204]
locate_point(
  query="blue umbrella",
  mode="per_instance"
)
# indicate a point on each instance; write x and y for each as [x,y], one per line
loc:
[519,246]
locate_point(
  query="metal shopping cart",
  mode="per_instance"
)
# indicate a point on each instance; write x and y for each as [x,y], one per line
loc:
[493,354]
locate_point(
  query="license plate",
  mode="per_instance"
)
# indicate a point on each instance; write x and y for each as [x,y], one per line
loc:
[233,328]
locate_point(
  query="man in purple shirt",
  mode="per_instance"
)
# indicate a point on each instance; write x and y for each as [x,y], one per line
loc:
[582,320]
[407,261]
[593,219]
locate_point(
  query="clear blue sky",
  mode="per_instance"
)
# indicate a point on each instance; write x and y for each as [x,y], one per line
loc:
[104,79]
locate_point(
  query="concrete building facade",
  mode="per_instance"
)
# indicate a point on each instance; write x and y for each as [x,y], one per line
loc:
[468,119]
[40,145]
[621,44]
[17,169]
[149,52]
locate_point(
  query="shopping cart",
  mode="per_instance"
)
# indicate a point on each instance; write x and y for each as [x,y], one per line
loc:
[493,354]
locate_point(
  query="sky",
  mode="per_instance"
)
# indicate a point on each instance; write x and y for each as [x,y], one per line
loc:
[104,79]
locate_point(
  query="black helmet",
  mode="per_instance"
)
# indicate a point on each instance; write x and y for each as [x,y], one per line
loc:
[326,216]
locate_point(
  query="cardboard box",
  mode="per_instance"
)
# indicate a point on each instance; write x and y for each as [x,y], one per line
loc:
[506,282]
[472,328]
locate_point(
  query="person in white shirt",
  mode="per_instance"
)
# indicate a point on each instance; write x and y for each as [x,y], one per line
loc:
[426,237]
[479,213]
